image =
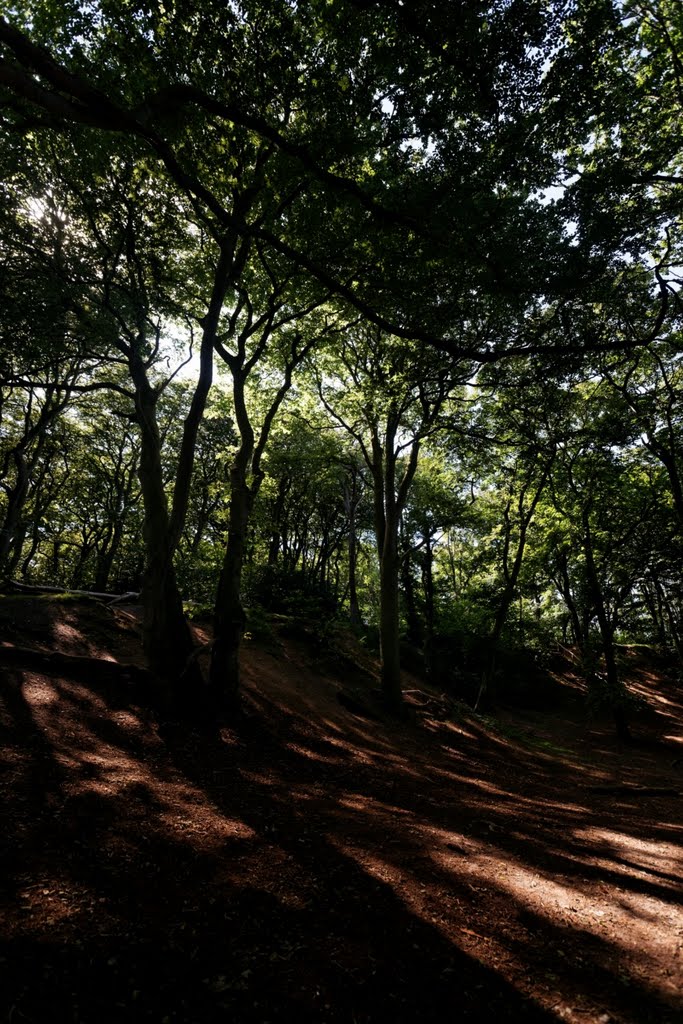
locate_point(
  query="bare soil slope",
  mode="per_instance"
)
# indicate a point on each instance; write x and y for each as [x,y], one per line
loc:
[320,862]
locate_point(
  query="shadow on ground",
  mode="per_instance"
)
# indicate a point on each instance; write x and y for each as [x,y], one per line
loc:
[315,865]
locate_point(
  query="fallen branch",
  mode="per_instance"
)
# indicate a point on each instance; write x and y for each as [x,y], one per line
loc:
[30,588]
[428,696]
[569,654]
[443,704]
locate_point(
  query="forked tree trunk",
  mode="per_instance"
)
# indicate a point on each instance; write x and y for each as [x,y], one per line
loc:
[167,638]
[245,481]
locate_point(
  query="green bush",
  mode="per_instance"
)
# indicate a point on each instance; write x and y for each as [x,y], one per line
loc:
[288,593]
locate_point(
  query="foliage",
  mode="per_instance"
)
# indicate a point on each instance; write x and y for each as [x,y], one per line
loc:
[435,251]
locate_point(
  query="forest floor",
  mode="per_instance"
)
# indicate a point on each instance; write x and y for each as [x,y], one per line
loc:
[320,862]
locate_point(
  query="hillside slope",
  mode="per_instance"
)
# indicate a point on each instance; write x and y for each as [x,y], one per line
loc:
[319,861]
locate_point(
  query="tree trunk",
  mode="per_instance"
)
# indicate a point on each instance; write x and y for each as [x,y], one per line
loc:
[615,691]
[25,464]
[229,615]
[278,512]
[564,586]
[354,607]
[351,499]
[105,560]
[668,459]
[414,633]
[671,619]
[33,547]
[167,639]
[16,499]
[389,502]
[491,658]
[106,556]
[511,570]
[428,585]
[389,637]
[653,604]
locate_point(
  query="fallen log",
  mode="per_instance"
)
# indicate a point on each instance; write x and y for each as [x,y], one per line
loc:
[31,588]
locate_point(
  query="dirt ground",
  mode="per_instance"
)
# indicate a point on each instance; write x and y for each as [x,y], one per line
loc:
[319,864]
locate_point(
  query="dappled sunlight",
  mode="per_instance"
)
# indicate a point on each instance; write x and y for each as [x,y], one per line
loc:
[644,927]
[313,755]
[647,858]
[306,842]
[102,766]
[575,891]
[641,927]
[373,808]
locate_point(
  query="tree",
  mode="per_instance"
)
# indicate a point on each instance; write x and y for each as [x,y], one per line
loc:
[271,330]
[605,514]
[242,180]
[434,153]
[388,396]
[434,504]
[25,443]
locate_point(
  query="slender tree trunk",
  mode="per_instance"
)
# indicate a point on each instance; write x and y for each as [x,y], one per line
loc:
[386,533]
[614,686]
[563,584]
[105,560]
[17,548]
[16,499]
[229,615]
[107,556]
[17,495]
[354,606]
[665,604]
[511,570]
[167,638]
[414,632]
[668,459]
[653,607]
[278,512]
[351,498]
[77,575]
[430,620]
[389,636]
[389,502]
[30,554]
